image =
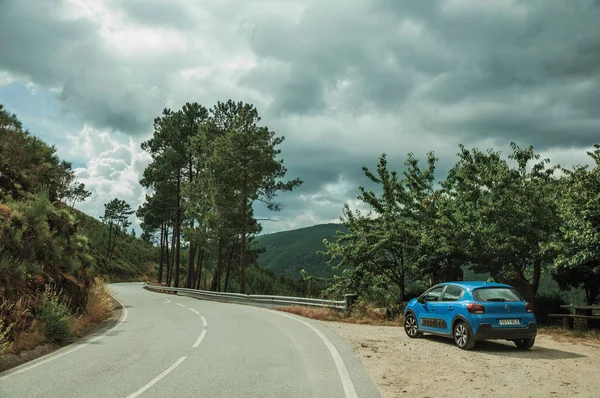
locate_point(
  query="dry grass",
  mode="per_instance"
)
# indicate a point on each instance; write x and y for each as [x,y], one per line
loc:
[29,340]
[18,329]
[558,332]
[365,316]
[99,304]
[99,307]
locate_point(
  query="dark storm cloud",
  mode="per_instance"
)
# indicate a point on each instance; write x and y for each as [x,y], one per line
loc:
[343,80]
[435,54]
[43,46]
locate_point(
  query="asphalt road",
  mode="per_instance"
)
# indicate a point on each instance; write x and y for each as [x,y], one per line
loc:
[171,346]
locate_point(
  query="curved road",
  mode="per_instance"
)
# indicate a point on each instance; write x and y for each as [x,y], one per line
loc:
[172,346]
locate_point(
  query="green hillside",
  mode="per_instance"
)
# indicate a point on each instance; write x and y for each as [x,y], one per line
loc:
[288,252]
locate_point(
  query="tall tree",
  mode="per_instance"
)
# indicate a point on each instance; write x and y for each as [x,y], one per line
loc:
[507,213]
[245,161]
[76,193]
[116,215]
[577,242]
[385,242]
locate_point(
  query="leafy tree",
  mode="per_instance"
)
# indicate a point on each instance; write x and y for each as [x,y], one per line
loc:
[577,242]
[505,215]
[116,215]
[76,193]
[173,160]
[27,163]
[385,241]
[244,161]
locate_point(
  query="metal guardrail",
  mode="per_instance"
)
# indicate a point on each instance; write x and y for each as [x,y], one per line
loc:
[251,299]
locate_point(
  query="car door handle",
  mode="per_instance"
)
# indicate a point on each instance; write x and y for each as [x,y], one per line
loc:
[432,308]
[450,307]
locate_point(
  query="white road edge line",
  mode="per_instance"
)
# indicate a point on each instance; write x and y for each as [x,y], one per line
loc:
[349,390]
[181,305]
[167,302]
[194,311]
[157,378]
[204,323]
[68,350]
[197,343]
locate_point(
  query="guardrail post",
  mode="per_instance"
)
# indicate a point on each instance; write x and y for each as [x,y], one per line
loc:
[350,299]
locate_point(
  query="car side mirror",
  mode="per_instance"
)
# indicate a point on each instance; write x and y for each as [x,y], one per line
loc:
[421,299]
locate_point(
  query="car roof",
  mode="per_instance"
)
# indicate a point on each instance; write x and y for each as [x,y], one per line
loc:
[470,285]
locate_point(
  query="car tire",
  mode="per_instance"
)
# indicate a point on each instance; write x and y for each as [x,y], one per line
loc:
[462,336]
[410,326]
[525,344]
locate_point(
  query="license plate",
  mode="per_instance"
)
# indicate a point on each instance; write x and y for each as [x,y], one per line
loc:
[509,322]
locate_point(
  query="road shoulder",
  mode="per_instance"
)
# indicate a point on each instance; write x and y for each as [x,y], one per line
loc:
[9,362]
[396,364]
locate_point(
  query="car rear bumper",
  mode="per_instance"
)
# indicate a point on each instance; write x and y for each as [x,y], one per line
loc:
[487,332]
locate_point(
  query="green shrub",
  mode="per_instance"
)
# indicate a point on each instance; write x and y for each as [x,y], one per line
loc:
[55,316]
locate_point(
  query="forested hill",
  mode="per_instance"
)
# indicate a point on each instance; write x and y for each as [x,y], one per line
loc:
[288,252]
[51,255]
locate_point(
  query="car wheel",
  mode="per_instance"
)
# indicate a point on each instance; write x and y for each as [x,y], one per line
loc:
[525,344]
[462,336]
[410,326]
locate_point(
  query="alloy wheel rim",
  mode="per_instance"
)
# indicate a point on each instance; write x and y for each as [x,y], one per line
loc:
[411,326]
[461,335]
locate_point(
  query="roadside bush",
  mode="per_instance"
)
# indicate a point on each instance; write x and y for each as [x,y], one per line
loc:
[5,328]
[99,301]
[548,304]
[55,317]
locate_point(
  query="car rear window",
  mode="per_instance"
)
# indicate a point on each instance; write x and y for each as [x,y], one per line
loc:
[497,294]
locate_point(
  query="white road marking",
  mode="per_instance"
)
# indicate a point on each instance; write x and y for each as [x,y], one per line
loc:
[194,311]
[167,301]
[349,389]
[197,343]
[67,350]
[157,378]
[204,323]
[181,305]
[155,298]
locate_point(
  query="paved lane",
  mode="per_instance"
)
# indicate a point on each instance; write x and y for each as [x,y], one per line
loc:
[183,347]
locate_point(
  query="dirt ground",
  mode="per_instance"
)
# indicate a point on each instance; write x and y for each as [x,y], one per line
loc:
[432,366]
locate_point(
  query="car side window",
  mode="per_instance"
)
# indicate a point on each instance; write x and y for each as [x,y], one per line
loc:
[452,293]
[434,294]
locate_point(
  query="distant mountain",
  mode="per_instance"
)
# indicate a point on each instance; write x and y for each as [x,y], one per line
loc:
[288,252]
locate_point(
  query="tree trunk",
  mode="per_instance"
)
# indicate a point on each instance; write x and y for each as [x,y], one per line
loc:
[227,277]
[172,265]
[216,283]
[178,223]
[110,227]
[162,253]
[537,272]
[199,268]
[229,264]
[167,255]
[243,242]
[401,284]
[190,272]
[189,282]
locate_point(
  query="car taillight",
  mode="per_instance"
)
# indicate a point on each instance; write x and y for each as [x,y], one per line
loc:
[529,306]
[476,308]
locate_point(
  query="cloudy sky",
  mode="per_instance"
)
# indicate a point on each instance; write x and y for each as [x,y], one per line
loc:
[342,80]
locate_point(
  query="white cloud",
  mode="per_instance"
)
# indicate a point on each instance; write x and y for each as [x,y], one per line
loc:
[113,168]
[6,78]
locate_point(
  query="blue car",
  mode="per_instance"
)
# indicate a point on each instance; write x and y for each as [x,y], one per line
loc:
[472,311]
